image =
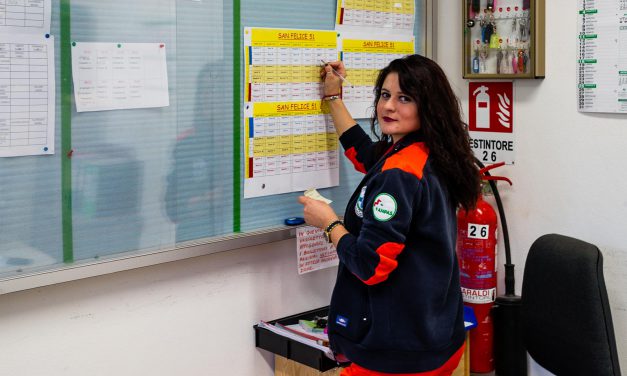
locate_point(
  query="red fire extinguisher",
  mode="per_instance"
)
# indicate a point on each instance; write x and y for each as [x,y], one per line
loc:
[476,251]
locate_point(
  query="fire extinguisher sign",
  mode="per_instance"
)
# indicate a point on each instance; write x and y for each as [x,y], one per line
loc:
[491,121]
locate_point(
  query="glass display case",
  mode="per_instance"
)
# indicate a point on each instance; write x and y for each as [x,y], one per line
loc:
[503,39]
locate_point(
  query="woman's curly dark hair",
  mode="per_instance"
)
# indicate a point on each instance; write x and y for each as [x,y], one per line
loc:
[445,132]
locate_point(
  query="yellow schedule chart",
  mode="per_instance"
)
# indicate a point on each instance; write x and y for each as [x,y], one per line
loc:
[290,146]
[363,59]
[392,14]
[284,64]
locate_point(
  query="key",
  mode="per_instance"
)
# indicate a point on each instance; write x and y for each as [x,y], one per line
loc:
[487,32]
[499,60]
[522,61]
[475,62]
[483,56]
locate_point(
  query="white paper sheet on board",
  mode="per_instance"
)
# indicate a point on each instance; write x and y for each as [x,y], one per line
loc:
[383,18]
[290,146]
[25,17]
[27,95]
[115,76]
[290,142]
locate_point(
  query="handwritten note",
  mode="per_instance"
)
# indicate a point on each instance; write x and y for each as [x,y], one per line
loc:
[314,252]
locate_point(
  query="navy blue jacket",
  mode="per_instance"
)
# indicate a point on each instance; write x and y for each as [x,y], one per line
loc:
[397,304]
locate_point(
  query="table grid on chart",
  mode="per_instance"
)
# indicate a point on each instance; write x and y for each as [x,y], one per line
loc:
[397,14]
[119,81]
[22,13]
[362,69]
[277,73]
[23,94]
[292,144]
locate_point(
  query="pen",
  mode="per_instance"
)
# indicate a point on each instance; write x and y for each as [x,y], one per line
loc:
[337,74]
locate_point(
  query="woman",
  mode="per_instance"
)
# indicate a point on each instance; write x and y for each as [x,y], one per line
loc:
[397,307]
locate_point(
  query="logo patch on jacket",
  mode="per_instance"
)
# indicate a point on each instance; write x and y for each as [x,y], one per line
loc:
[384,207]
[341,321]
[359,206]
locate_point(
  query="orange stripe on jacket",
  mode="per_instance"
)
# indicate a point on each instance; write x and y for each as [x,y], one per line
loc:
[351,154]
[387,262]
[411,159]
[446,369]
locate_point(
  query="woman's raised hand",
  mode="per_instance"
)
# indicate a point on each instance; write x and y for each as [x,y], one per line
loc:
[330,74]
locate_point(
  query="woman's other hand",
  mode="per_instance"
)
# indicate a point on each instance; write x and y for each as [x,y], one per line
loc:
[317,213]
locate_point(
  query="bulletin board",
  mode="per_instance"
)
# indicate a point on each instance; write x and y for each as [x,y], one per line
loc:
[144,179]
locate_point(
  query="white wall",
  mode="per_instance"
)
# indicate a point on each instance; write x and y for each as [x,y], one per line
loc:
[569,175]
[191,317]
[195,317]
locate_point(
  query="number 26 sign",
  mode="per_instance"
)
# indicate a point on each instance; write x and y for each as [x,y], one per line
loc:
[476,231]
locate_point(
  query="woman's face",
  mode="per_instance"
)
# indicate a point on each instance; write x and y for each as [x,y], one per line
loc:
[397,113]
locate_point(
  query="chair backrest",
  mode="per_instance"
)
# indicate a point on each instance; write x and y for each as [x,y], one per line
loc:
[566,318]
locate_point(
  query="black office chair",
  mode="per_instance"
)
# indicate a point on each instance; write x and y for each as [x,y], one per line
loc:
[566,318]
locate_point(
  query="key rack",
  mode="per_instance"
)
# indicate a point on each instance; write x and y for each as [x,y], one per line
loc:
[503,39]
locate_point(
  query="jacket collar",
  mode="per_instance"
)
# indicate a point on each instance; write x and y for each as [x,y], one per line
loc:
[413,137]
